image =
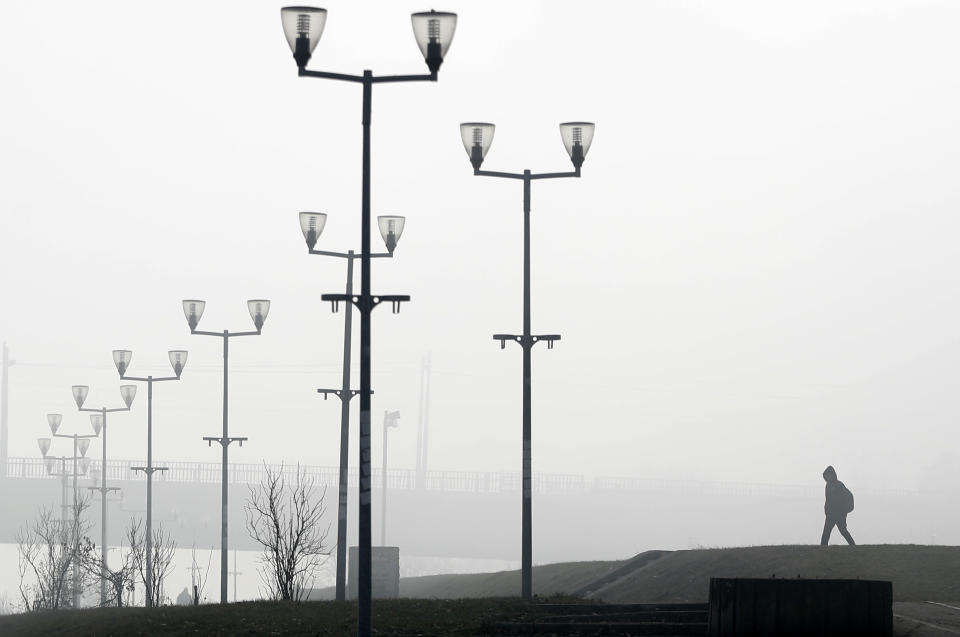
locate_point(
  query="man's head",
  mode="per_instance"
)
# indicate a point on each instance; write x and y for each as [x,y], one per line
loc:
[829,474]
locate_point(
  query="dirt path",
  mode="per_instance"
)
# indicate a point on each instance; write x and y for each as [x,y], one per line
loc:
[926,619]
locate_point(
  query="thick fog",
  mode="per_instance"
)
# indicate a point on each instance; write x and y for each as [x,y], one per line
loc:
[755,277]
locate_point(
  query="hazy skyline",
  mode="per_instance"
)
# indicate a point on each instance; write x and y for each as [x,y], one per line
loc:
[755,277]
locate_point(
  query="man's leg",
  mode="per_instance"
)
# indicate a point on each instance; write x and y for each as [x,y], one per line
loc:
[842,527]
[827,529]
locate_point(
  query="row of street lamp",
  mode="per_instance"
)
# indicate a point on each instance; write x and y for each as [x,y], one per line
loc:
[193,311]
[433,32]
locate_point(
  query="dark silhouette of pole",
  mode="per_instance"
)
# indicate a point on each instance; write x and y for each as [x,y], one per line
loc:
[193,309]
[434,32]
[476,145]
[7,363]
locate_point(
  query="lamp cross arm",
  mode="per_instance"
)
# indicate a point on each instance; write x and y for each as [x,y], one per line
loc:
[224,441]
[526,341]
[328,253]
[76,435]
[205,333]
[104,409]
[155,379]
[350,393]
[349,255]
[366,302]
[494,173]
[149,470]
[429,77]
[331,76]
[575,173]
[103,489]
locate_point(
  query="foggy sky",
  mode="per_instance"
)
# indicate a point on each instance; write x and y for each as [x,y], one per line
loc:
[755,277]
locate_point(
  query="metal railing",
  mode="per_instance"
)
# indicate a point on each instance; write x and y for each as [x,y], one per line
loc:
[452,481]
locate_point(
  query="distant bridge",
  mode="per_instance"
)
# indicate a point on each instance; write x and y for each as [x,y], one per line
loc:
[477,514]
[180,471]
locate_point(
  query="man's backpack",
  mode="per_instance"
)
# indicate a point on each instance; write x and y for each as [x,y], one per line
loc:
[846,499]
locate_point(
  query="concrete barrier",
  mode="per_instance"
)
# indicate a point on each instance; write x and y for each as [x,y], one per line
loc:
[800,607]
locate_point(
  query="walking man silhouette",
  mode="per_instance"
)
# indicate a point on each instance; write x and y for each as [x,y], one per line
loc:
[838,503]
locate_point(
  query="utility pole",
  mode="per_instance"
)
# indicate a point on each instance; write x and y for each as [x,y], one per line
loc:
[423,422]
[4,398]
[235,572]
[390,419]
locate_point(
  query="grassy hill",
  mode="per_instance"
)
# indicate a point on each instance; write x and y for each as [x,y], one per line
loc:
[918,573]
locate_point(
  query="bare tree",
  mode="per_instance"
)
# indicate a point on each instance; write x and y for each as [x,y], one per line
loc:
[120,578]
[198,576]
[286,520]
[48,551]
[163,551]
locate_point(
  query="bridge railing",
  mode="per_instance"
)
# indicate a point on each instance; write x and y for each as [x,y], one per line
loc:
[453,481]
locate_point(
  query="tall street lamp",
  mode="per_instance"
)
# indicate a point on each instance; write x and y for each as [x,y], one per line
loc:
[390,419]
[99,421]
[433,31]
[121,358]
[312,224]
[80,465]
[193,310]
[477,137]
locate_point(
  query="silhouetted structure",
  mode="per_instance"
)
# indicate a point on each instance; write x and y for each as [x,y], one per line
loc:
[837,504]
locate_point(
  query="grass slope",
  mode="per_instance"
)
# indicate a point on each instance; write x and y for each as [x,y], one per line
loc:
[918,573]
[549,579]
[405,617]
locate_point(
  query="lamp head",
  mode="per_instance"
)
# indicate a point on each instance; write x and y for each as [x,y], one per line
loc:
[54,420]
[577,137]
[96,422]
[477,137]
[258,308]
[391,227]
[178,360]
[121,358]
[311,224]
[193,310]
[434,32]
[84,466]
[44,444]
[303,26]
[82,445]
[80,394]
[128,393]
[50,464]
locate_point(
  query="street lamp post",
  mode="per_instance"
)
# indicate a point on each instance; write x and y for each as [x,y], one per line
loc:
[121,358]
[390,419]
[99,421]
[312,224]
[80,465]
[193,310]
[477,137]
[434,32]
